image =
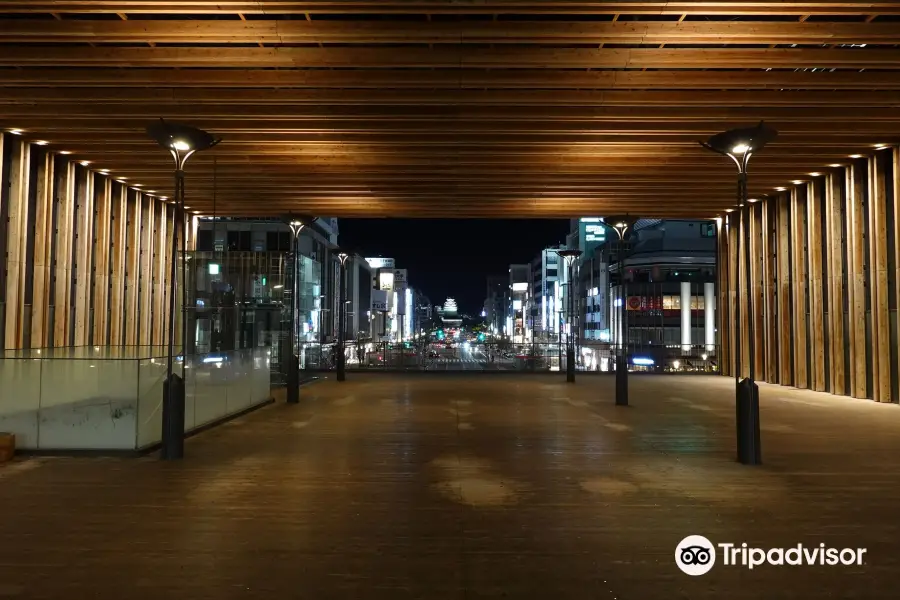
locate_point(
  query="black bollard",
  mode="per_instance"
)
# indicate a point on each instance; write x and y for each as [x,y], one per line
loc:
[749,449]
[293,379]
[621,380]
[173,419]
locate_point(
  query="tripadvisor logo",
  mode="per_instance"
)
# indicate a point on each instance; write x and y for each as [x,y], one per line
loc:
[696,555]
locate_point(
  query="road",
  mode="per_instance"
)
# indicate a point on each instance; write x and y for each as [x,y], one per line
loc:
[467,359]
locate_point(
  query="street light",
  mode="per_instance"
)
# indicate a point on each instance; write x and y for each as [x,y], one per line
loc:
[570,255]
[739,145]
[343,257]
[622,225]
[182,141]
[296,223]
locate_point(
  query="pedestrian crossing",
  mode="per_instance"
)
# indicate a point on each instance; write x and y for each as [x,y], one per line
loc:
[452,360]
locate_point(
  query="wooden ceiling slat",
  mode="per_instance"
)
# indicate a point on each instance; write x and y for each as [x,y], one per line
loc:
[453,115]
[493,32]
[263,7]
[451,58]
[451,79]
[114,98]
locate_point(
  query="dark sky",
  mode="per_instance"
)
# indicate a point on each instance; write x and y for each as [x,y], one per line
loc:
[452,257]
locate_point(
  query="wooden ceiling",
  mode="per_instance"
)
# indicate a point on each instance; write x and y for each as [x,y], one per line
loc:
[440,108]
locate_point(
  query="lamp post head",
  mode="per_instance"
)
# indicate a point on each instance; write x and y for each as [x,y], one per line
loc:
[181,140]
[620,224]
[740,144]
[342,255]
[569,254]
[298,222]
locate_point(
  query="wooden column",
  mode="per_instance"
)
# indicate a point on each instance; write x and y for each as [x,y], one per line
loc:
[895,194]
[132,266]
[722,293]
[65,237]
[16,242]
[103,210]
[784,320]
[834,246]
[757,306]
[84,201]
[799,281]
[880,342]
[769,235]
[146,272]
[118,236]
[733,253]
[857,282]
[43,244]
[743,295]
[162,247]
[816,294]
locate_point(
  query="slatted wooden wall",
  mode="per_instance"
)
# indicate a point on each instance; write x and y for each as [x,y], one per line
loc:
[827,265]
[85,256]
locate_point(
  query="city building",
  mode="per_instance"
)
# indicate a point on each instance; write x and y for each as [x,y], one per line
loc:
[546,293]
[496,303]
[518,320]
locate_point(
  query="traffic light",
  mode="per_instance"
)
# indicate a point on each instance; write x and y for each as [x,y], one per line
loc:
[480,337]
[440,334]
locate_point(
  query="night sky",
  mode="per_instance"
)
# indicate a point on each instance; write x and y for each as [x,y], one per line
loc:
[452,258]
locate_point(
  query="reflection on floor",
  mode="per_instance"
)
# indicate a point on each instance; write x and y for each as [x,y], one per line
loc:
[467,487]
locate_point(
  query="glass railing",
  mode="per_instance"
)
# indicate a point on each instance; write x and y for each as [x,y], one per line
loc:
[534,357]
[99,398]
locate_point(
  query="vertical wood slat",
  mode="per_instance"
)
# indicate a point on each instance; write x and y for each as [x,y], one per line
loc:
[43,236]
[146,271]
[16,242]
[770,373]
[816,308]
[783,240]
[101,259]
[878,288]
[756,307]
[743,294]
[895,183]
[65,227]
[834,224]
[118,233]
[799,262]
[733,295]
[83,244]
[857,285]
[132,266]
[160,293]
[723,340]
[175,227]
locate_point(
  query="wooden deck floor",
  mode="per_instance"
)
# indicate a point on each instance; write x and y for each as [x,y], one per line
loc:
[468,487]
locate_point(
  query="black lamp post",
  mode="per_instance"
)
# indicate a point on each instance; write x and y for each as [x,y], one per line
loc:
[182,141]
[296,223]
[570,255]
[339,360]
[622,226]
[739,145]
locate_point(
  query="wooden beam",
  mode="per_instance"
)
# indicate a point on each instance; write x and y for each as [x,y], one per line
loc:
[263,7]
[23,99]
[65,234]
[460,57]
[118,251]
[800,261]
[41,324]
[755,316]
[84,231]
[447,80]
[17,241]
[856,277]
[834,247]
[132,274]
[769,287]
[274,31]
[784,264]
[100,254]
[146,272]
[878,280]
[816,324]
